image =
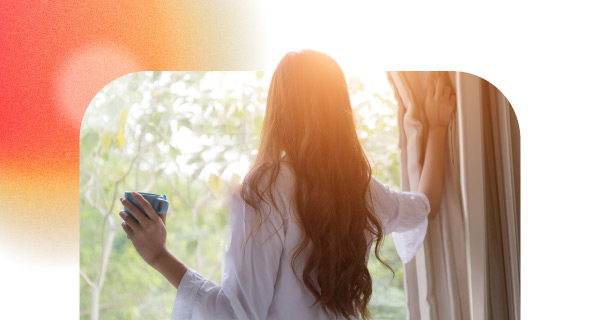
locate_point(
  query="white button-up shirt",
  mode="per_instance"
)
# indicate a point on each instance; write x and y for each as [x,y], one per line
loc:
[258,281]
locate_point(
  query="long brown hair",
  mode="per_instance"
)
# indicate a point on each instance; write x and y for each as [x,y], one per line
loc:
[309,120]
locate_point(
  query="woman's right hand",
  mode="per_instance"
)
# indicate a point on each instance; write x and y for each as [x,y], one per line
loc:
[440,102]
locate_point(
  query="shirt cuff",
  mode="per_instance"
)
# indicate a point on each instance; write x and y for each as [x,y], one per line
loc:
[409,242]
[186,292]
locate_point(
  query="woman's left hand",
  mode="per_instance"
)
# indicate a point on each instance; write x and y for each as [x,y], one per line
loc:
[149,233]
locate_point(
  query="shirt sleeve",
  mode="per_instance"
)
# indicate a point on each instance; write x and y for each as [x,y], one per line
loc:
[249,273]
[199,298]
[404,214]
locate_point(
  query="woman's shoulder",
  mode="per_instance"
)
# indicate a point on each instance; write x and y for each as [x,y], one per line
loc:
[266,173]
[279,178]
[255,195]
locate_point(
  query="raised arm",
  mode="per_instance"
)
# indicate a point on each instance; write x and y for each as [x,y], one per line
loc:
[440,104]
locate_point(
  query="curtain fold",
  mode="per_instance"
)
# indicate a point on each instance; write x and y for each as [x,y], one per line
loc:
[501,206]
[468,266]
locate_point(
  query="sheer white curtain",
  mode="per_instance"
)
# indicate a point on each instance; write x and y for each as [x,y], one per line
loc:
[456,274]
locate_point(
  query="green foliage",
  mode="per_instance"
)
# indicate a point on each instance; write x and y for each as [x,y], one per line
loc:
[192,136]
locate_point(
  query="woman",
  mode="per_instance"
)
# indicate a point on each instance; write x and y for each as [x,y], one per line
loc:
[306,215]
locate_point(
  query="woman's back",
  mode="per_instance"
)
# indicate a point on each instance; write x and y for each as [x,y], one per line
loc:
[258,277]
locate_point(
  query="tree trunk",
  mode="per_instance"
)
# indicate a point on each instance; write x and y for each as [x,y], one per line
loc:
[95,308]
[97,288]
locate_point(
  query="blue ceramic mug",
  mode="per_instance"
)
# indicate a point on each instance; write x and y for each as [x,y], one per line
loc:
[155,201]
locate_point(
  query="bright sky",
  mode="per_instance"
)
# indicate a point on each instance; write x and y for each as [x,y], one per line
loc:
[348,36]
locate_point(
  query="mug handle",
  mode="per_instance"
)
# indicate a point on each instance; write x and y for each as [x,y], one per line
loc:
[164,208]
